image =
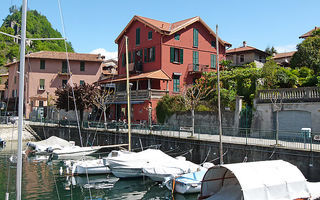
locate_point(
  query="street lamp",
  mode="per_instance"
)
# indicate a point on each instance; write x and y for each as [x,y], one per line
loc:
[47,106]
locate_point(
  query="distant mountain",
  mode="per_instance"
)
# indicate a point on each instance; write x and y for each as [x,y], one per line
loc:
[38,26]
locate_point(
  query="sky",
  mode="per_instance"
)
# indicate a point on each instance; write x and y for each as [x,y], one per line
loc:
[93,25]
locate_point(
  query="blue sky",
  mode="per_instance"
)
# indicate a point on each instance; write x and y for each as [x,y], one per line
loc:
[94,24]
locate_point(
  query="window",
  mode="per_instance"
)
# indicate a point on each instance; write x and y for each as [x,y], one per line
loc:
[15,79]
[176,83]
[81,82]
[150,35]
[137,36]
[241,58]
[130,57]
[195,61]
[13,93]
[64,67]
[149,54]
[82,66]
[213,61]
[40,103]
[177,36]
[176,55]
[213,44]
[42,64]
[195,37]
[64,83]
[41,87]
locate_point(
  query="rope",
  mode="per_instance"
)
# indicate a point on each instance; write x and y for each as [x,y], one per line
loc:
[71,81]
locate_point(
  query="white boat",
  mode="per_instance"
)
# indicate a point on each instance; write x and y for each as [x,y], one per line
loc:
[95,166]
[2,143]
[74,151]
[48,145]
[188,183]
[169,167]
[263,180]
[131,165]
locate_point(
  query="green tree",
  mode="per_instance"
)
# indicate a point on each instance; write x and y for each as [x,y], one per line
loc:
[167,106]
[271,51]
[38,26]
[308,53]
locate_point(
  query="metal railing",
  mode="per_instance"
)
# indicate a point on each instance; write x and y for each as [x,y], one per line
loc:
[245,136]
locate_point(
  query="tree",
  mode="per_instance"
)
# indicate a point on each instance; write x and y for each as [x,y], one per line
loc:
[82,97]
[193,95]
[308,53]
[167,106]
[101,98]
[271,51]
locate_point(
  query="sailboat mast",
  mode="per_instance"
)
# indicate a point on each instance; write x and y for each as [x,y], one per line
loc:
[219,107]
[128,96]
[21,97]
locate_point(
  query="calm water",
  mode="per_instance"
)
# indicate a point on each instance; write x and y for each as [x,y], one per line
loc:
[42,180]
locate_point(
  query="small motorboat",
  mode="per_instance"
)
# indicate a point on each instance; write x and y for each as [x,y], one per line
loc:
[187,183]
[46,146]
[96,166]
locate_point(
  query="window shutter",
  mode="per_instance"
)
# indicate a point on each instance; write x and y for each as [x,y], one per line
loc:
[213,61]
[129,56]
[181,56]
[171,54]
[138,36]
[145,55]
[133,56]
[195,37]
[153,54]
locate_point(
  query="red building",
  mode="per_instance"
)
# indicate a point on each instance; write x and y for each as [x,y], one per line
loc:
[163,58]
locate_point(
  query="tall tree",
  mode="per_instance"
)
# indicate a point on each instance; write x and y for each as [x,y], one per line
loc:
[308,53]
[271,51]
[82,96]
[102,98]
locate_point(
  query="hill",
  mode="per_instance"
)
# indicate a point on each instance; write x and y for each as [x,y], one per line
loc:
[38,26]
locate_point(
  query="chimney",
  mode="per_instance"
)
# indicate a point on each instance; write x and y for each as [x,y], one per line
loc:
[244,43]
[99,56]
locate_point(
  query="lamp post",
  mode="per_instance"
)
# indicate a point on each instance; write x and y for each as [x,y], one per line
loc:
[47,106]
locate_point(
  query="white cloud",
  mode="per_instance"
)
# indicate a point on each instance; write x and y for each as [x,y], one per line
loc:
[286,48]
[107,54]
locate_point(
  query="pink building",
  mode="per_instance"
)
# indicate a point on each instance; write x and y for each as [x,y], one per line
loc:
[45,71]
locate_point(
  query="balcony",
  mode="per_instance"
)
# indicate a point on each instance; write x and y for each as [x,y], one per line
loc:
[289,95]
[139,95]
[64,73]
[198,68]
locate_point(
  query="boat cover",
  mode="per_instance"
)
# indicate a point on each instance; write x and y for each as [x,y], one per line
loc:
[52,142]
[314,189]
[263,180]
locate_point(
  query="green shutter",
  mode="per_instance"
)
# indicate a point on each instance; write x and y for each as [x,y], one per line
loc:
[145,55]
[129,56]
[42,64]
[195,60]
[195,37]
[153,54]
[177,36]
[171,54]
[181,56]
[138,36]
[150,35]
[213,61]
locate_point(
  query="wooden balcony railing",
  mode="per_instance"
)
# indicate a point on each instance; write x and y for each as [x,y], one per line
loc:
[287,95]
[139,95]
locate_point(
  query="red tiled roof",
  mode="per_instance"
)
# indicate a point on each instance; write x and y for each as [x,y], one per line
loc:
[244,49]
[308,34]
[62,56]
[284,55]
[159,74]
[168,28]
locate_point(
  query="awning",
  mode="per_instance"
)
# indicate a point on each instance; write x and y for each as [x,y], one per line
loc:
[263,180]
[125,102]
[159,74]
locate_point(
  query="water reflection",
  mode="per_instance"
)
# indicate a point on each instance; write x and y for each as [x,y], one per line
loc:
[42,180]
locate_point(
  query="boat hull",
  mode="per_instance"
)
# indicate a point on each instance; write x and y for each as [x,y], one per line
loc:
[91,170]
[127,172]
[183,188]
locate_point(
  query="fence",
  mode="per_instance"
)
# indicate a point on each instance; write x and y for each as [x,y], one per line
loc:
[246,136]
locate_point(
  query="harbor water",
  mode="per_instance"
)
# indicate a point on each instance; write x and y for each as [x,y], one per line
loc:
[44,180]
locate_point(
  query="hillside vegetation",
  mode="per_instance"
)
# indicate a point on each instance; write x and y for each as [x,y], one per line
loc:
[38,26]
